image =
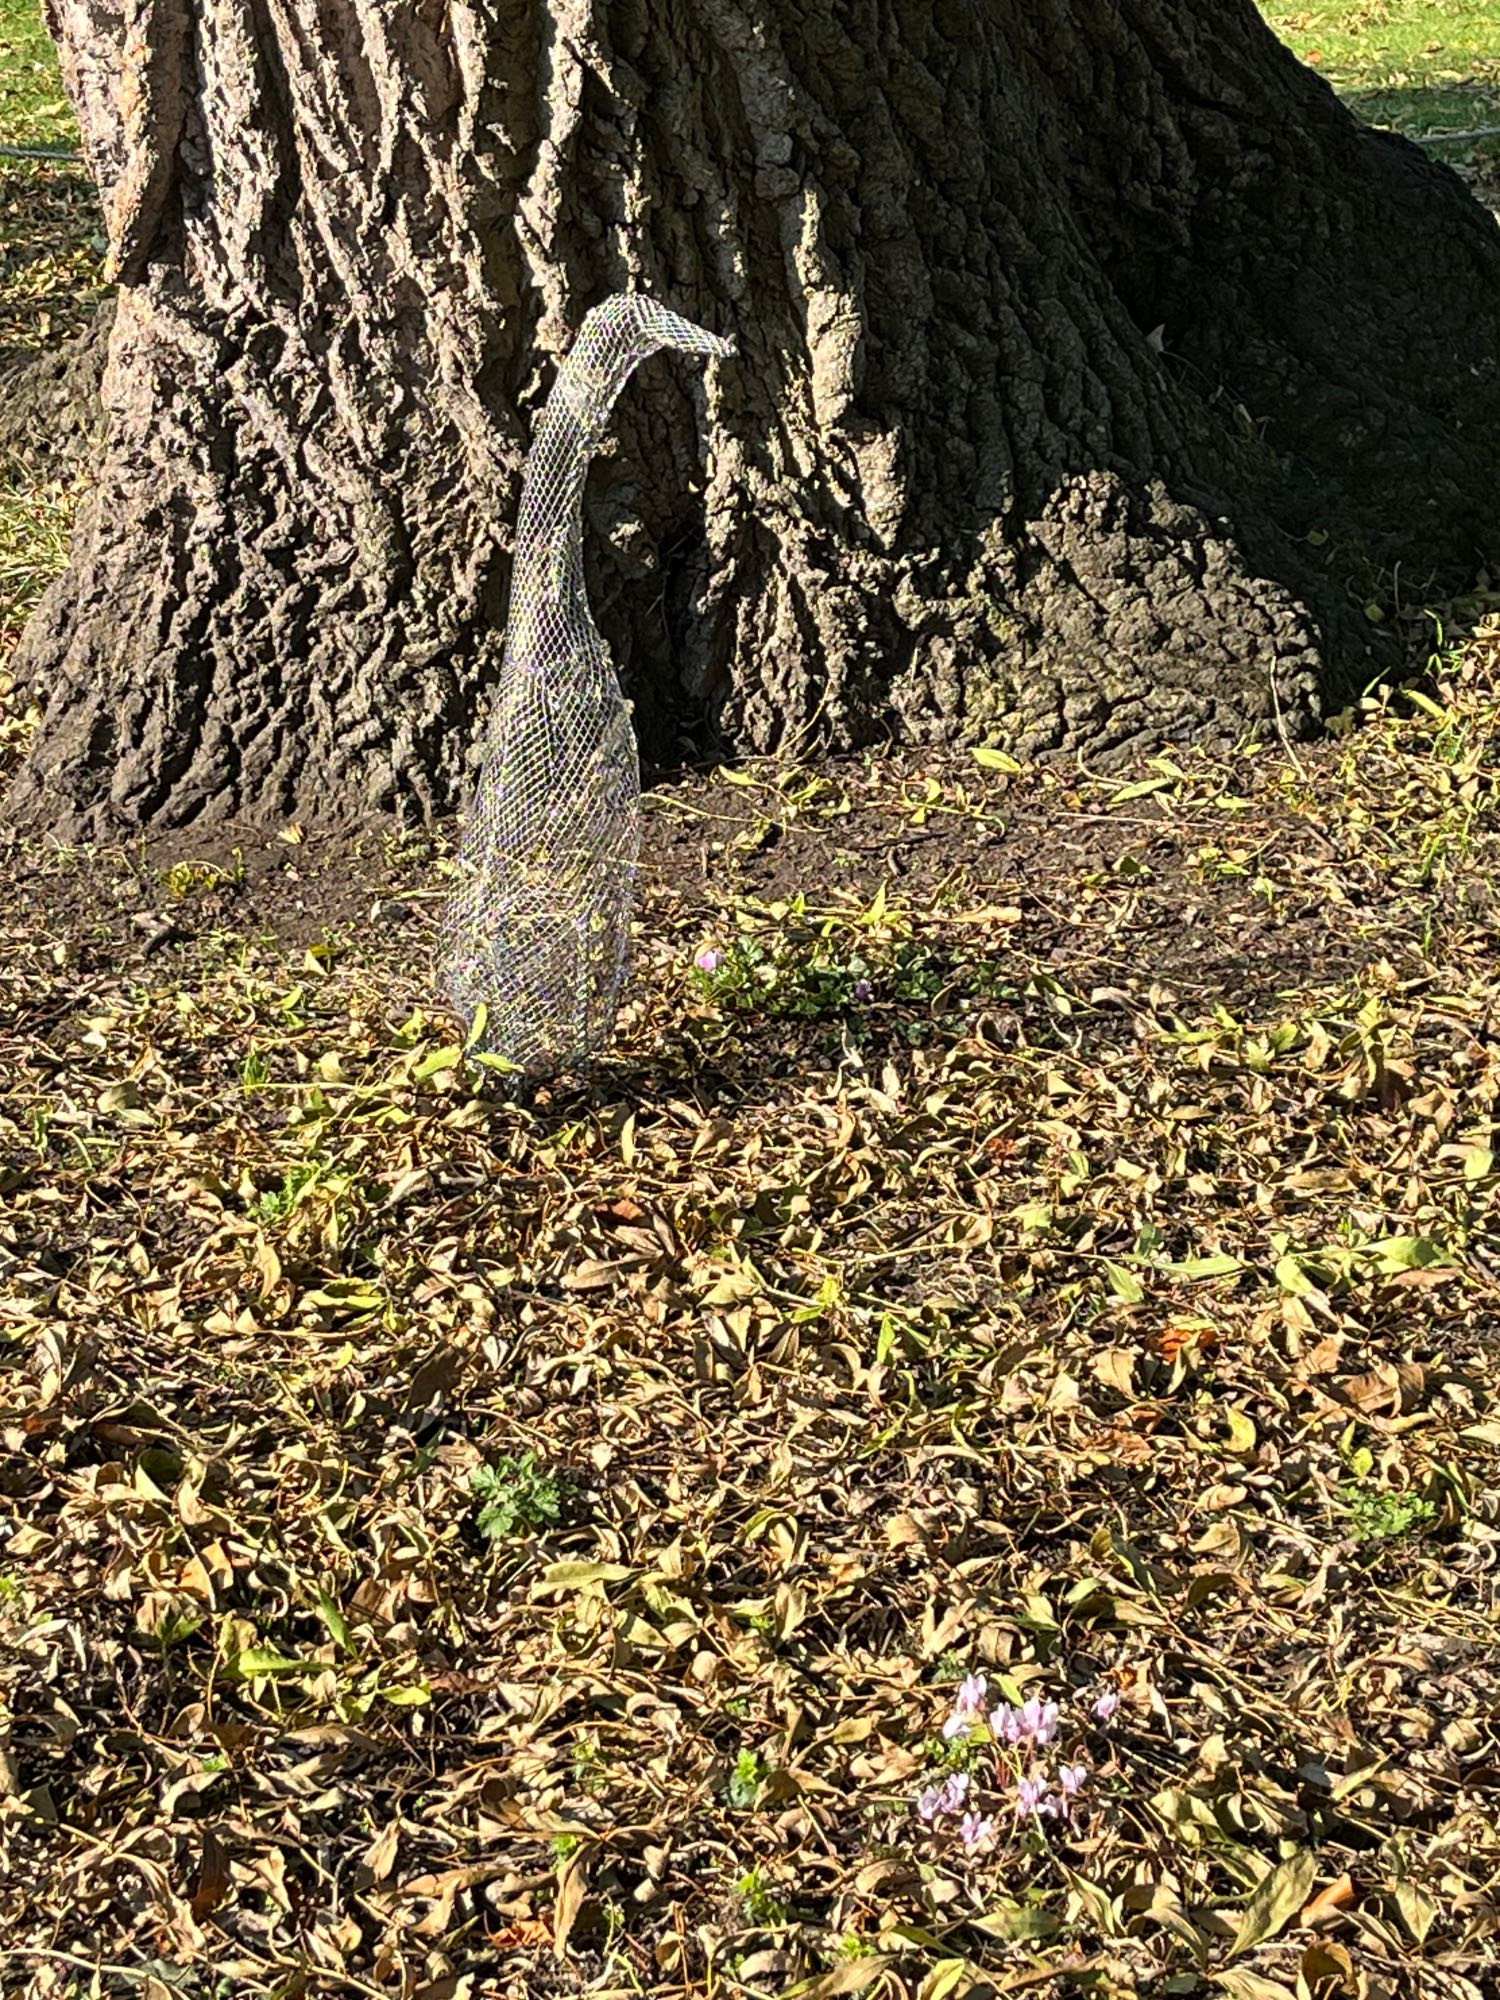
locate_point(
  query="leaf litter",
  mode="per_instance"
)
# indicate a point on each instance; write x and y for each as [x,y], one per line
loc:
[1034,1224]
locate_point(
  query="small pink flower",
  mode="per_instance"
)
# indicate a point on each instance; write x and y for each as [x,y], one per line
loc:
[978,1834]
[1036,1723]
[948,1797]
[1032,1796]
[1106,1707]
[968,1707]
[1072,1779]
[709,960]
[1005,1724]
[1039,1722]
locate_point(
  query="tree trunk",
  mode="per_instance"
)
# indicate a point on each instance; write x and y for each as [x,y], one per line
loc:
[1089,352]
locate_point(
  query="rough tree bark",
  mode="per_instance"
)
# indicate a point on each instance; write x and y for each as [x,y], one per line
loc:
[1087,350]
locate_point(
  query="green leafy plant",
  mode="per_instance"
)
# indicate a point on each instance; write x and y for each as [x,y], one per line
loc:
[781,977]
[277,1203]
[516,1498]
[588,1768]
[746,1779]
[193,878]
[792,976]
[1378,1515]
[762,1904]
[175,1627]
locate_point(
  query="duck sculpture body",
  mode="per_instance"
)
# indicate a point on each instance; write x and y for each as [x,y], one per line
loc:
[537,936]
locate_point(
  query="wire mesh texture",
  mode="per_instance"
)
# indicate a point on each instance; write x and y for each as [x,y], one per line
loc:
[536,938]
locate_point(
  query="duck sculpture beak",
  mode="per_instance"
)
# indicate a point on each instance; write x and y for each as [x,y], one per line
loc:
[633,323]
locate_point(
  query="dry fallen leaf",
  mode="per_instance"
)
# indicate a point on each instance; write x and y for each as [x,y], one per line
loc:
[1181,1337]
[1278,1899]
[528,1934]
[572,1888]
[1330,1903]
[212,1884]
[380,1856]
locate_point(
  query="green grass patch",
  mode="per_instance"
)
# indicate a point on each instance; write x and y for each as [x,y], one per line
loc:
[35,525]
[1422,67]
[34,109]
[50,247]
[50,241]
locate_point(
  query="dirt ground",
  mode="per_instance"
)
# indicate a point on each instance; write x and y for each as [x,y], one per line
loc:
[928,829]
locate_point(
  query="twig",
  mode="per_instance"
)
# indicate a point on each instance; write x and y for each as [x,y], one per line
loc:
[1281,730]
[139,1973]
[40,153]
[1455,138]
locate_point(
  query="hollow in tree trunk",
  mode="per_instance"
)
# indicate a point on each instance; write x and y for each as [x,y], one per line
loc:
[1088,354]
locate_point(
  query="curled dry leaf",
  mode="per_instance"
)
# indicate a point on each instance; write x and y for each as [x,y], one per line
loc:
[1331,1902]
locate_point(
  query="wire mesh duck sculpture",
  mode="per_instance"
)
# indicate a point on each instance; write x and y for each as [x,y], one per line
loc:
[536,940]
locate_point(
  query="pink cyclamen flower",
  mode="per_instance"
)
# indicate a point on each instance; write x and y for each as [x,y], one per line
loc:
[1106,1707]
[1032,1796]
[968,1707]
[1039,1721]
[864,993]
[1072,1780]
[1005,1724]
[709,960]
[948,1797]
[978,1834]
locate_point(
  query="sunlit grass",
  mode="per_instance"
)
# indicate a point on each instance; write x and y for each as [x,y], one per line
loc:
[1423,67]
[50,233]
[34,110]
[35,524]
